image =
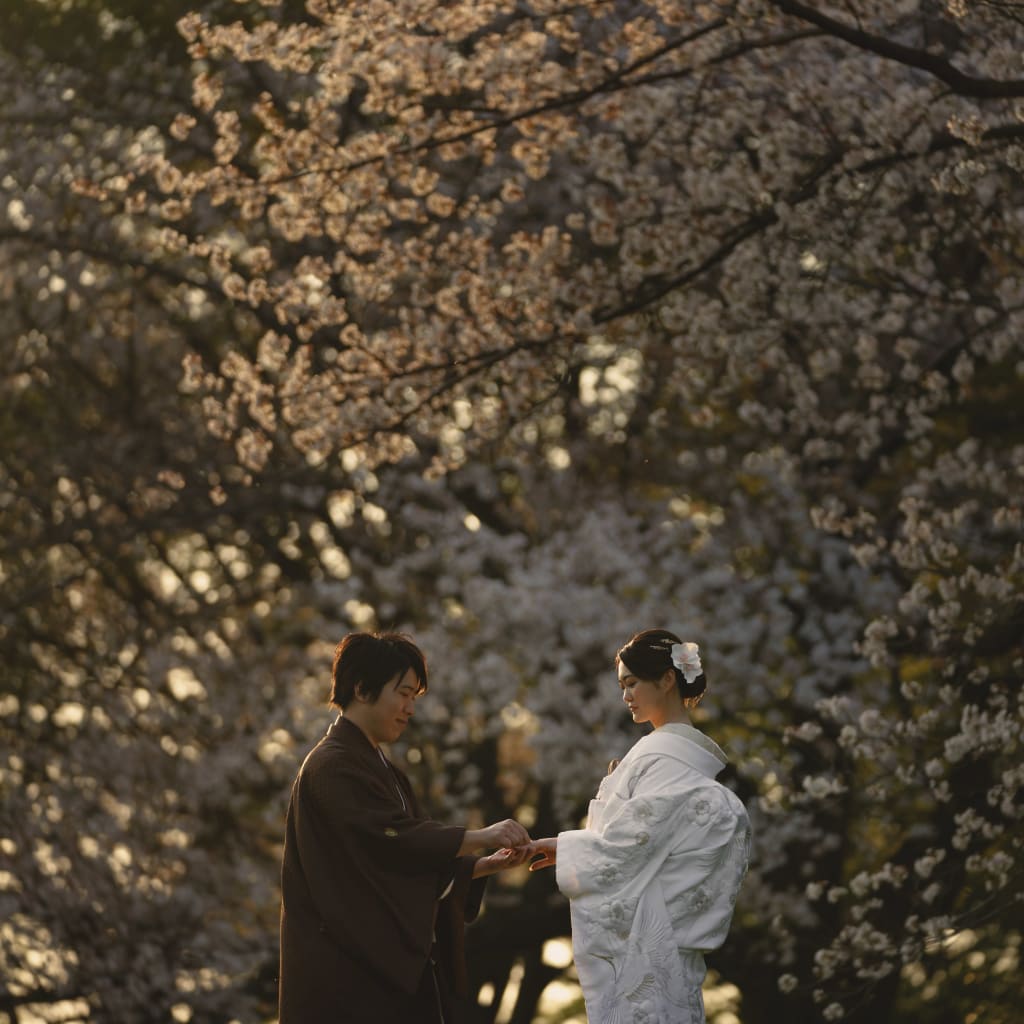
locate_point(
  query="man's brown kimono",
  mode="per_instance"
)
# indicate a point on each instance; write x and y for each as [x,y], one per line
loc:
[361,883]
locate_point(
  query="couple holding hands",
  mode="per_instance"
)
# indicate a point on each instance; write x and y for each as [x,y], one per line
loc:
[376,895]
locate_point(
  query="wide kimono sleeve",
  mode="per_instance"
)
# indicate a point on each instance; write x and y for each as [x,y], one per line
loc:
[373,870]
[638,878]
[638,826]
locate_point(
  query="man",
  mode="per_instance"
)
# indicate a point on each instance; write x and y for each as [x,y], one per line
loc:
[375,895]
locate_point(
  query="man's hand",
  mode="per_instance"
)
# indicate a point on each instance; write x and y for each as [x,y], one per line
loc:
[501,860]
[505,834]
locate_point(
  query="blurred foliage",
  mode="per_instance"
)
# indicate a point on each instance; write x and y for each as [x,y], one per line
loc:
[168,612]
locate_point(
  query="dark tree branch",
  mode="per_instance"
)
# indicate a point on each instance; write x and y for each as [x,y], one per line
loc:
[657,288]
[959,82]
[620,79]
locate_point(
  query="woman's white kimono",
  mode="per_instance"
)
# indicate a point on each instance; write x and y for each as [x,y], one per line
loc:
[653,878]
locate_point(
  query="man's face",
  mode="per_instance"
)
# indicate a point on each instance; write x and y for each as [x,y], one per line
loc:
[387,718]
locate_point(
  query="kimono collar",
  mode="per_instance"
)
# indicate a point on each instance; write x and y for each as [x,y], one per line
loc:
[687,744]
[345,731]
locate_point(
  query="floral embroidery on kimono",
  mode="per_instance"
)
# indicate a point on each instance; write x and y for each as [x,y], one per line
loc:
[653,878]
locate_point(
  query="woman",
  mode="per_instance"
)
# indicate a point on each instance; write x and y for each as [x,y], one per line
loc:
[652,880]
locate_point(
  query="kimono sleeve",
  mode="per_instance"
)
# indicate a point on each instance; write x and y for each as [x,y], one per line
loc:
[367,871]
[639,831]
[457,909]
[361,811]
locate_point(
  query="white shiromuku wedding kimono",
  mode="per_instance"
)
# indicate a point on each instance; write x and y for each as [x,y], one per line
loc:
[653,878]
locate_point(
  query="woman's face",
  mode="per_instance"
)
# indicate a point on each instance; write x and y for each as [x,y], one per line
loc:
[647,700]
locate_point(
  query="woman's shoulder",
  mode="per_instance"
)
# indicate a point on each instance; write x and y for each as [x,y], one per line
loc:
[685,747]
[653,769]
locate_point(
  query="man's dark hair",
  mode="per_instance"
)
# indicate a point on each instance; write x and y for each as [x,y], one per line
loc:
[369,660]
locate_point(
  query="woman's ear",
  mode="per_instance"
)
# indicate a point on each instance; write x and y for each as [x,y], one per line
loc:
[667,682]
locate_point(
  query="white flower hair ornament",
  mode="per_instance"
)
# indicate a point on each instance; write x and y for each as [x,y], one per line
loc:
[686,658]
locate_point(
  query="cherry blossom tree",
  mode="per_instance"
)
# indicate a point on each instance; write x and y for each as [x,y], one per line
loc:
[523,326]
[785,221]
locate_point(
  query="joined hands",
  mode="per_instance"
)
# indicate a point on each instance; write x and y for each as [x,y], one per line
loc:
[515,848]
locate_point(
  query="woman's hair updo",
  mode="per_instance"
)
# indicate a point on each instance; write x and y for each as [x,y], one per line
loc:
[648,655]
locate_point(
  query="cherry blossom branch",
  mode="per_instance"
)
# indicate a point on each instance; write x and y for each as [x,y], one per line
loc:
[958,81]
[808,189]
[610,84]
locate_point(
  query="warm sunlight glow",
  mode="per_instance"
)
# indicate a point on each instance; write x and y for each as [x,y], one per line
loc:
[183,684]
[556,998]
[557,953]
[511,993]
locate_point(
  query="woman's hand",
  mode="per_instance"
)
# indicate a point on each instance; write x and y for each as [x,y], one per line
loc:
[545,851]
[501,860]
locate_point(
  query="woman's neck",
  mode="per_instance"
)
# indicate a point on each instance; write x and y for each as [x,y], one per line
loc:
[673,714]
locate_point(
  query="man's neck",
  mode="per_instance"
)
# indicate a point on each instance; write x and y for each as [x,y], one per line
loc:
[352,715]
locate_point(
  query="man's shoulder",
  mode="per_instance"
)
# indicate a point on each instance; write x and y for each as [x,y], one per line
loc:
[340,751]
[327,753]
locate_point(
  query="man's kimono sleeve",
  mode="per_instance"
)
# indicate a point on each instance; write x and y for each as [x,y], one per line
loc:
[459,908]
[374,870]
[365,813]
